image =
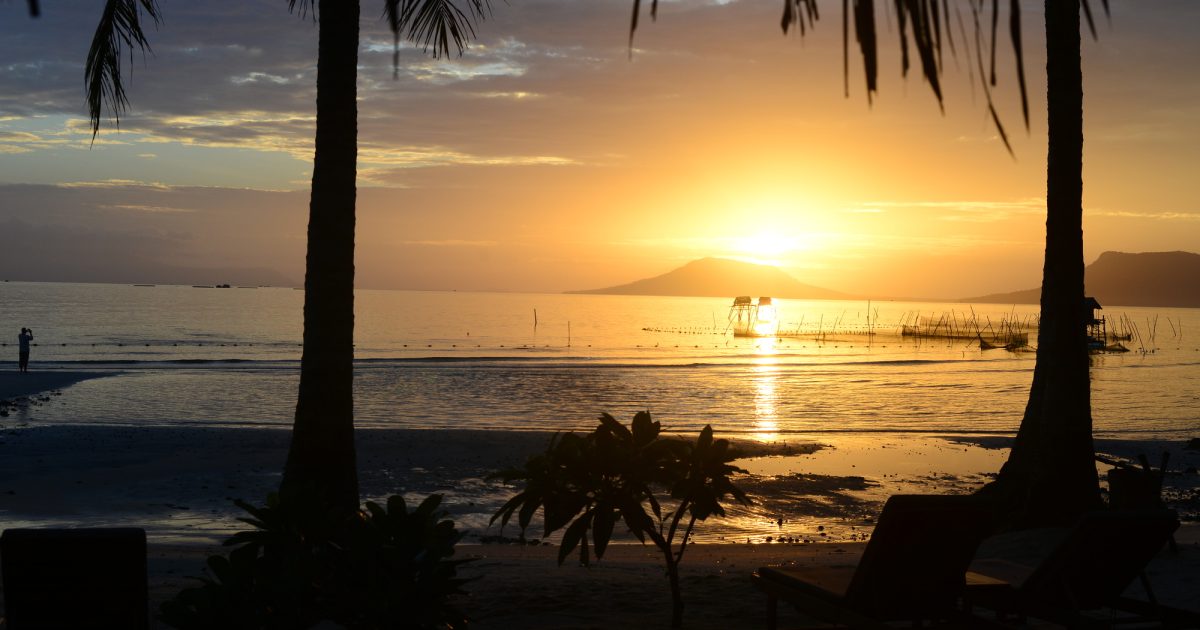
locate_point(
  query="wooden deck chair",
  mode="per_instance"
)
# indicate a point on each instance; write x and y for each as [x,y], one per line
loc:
[1133,488]
[74,578]
[913,567]
[1089,570]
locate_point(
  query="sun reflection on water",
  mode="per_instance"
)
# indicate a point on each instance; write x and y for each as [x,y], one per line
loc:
[766,375]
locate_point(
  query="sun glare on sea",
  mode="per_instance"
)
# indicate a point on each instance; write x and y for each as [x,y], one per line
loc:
[766,425]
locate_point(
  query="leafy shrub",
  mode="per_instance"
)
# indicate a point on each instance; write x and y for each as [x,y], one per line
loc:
[378,568]
[589,483]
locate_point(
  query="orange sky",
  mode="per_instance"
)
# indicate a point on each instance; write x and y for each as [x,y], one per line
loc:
[546,160]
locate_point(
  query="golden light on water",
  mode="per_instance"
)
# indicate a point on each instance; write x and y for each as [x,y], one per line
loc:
[767,323]
[766,420]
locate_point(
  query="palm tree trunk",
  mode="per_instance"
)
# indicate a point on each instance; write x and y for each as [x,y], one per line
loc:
[321,459]
[1050,476]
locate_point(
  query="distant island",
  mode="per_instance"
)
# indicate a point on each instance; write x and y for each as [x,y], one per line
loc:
[1167,279]
[721,277]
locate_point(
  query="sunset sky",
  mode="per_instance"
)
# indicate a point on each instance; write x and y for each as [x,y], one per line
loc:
[547,159]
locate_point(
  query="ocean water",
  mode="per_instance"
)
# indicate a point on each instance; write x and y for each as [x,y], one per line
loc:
[230,357]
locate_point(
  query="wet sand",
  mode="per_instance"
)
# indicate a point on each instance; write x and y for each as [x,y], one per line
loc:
[14,384]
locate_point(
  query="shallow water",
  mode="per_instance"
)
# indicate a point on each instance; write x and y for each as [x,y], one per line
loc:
[475,360]
[189,357]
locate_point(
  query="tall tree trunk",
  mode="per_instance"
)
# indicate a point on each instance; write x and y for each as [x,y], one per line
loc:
[1050,476]
[321,459]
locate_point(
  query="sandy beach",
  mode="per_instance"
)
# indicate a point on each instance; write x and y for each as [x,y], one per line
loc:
[520,586]
[816,498]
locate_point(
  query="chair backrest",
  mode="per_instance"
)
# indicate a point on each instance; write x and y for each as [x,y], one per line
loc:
[916,561]
[1131,488]
[1101,555]
[74,578]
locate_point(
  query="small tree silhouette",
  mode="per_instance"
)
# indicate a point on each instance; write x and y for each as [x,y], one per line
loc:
[587,483]
[382,567]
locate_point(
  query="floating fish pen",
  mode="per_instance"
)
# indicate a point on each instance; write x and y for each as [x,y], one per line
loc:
[1011,332]
[748,318]
[1142,338]
[686,330]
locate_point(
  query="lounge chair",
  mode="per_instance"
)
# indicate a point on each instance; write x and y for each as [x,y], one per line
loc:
[1133,488]
[1089,570]
[913,567]
[74,578]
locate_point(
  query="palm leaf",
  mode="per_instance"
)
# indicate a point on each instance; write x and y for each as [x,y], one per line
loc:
[949,29]
[119,30]
[995,26]
[436,25]
[1087,12]
[987,92]
[864,31]
[929,23]
[1014,25]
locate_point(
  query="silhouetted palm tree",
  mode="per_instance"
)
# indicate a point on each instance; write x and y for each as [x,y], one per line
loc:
[321,461]
[1050,475]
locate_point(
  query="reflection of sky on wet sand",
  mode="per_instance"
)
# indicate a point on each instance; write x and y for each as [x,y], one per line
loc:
[835,493]
[883,456]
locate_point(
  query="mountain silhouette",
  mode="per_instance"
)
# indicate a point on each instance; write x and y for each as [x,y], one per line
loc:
[721,277]
[1168,279]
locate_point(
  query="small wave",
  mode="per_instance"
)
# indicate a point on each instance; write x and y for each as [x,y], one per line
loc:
[560,362]
[160,361]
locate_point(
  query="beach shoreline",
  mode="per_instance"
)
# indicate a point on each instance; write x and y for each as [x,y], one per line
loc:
[180,482]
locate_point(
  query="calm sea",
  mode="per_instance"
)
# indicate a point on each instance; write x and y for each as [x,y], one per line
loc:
[230,356]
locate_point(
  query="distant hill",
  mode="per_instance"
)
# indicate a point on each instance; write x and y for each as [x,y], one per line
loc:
[1121,279]
[720,277]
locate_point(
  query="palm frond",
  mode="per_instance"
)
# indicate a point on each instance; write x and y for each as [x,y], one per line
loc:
[927,47]
[937,30]
[633,23]
[1014,25]
[987,91]
[949,28]
[802,13]
[927,24]
[902,26]
[120,29]
[1087,12]
[995,27]
[306,8]
[864,33]
[435,25]
[845,45]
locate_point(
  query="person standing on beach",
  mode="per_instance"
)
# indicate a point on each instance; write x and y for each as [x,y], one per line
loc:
[23,339]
